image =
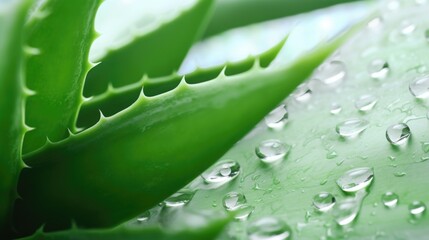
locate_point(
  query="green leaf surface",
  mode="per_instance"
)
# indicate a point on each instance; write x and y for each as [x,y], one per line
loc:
[60,34]
[131,161]
[12,128]
[319,156]
[126,64]
[230,14]
[117,99]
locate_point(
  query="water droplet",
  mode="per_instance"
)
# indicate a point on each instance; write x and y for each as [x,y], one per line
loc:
[419,87]
[331,155]
[271,151]
[144,217]
[417,208]
[180,198]
[352,127]
[375,23]
[346,211]
[335,108]
[302,93]
[222,172]
[407,28]
[243,212]
[323,201]
[233,200]
[269,228]
[378,69]
[356,179]
[277,118]
[399,174]
[398,134]
[331,73]
[425,147]
[365,103]
[390,199]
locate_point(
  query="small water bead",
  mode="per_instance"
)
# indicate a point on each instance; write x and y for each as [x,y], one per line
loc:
[323,201]
[365,103]
[271,151]
[180,198]
[419,87]
[277,118]
[407,28]
[399,174]
[398,134]
[416,209]
[269,228]
[351,127]
[378,69]
[243,212]
[331,155]
[390,199]
[222,172]
[233,200]
[425,147]
[331,73]
[302,93]
[335,108]
[144,217]
[346,211]
[356,179]
[375,23]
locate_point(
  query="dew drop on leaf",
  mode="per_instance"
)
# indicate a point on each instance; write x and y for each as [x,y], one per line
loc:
[351,127]
[233,200]
[222,172]
[323,201]
[378,69]
[302,93]
[331,73]
[271,151]
[398,134]
[416,209]
[180,198]
[346,211]
[243,212]
[335,108]
[425,147]
[277,118]
[331,155]
[144,217]
[390,199]
[407,28]
[269,228]
[365,103]
[375,23]
[419,87]
[356,179]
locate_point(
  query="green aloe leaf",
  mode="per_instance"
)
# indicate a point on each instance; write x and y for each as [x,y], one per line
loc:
[385,60]
[60,34]
[117,99]
[12,127]
[131,161]
[128,63]
[205,229]
[230,14]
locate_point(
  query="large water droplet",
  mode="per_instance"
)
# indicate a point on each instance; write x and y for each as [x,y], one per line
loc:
[269,228]
[222,172]
[277,118]
[271,151]
[365,103]
[331,73]
[390,199]
[323,201]
[302,93]
[378,69]
[356,179]
[346,211]
[335,108]
[180,198]
[351,128]
[398,134]
[417,208]
[233,200]
[419,87]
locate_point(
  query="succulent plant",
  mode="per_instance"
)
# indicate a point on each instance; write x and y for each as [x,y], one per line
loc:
[106,138]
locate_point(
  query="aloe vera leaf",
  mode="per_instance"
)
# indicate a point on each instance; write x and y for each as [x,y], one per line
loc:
[117,99]
[12,127]
[61,33]
[230,14]
[128,63]
[129,162]
[319,156]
